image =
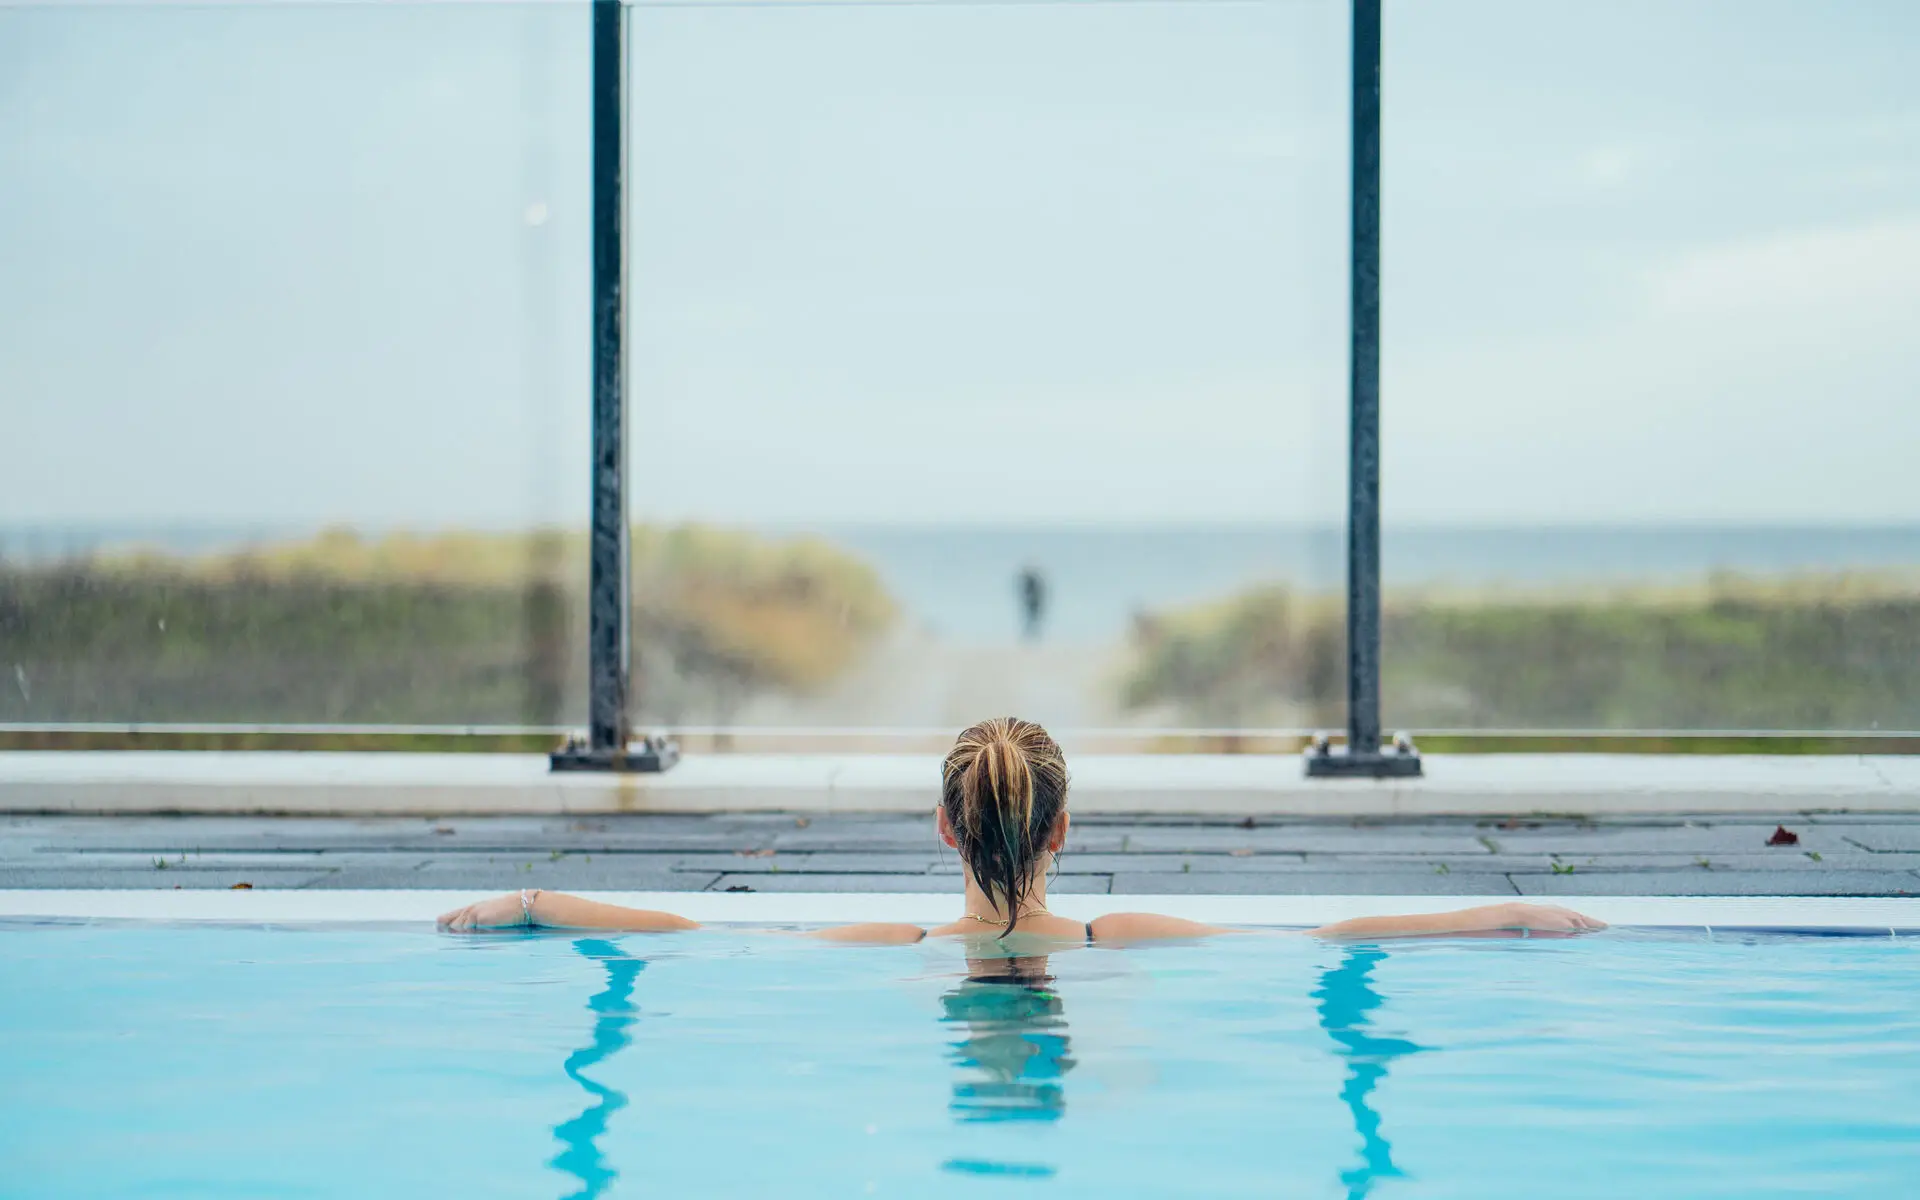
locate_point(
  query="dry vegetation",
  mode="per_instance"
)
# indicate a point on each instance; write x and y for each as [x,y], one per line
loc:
[1833,652]
[455,628]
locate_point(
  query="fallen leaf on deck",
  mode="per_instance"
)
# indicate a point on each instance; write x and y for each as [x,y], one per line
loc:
[240,887]
[1782,836]
[754,853]
[1243,852]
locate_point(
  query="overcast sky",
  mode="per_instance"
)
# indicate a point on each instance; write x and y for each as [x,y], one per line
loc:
[1644,261]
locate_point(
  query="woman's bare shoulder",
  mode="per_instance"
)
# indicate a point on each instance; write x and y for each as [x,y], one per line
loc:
[1146,927]
[1044,925]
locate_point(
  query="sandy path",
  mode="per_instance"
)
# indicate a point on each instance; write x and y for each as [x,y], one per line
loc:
[915,679]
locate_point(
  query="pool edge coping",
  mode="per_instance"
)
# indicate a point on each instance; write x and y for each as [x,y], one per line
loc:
[1809,914]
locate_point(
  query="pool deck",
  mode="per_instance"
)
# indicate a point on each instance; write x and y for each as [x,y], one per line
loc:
[1145,825]
[1200,857]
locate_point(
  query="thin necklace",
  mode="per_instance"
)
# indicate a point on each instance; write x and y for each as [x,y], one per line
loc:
[1032,912]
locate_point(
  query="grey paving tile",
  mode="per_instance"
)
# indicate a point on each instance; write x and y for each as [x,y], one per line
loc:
[566,875]
[1297,883]
[1332,838]
[1100,820]
[812,862]
[1721,883]
[495,842]
[601,843]
[919,839]
[468,834]
[213,830]
[1105,864]
[63,877]
[125,859]
[1883,836]
[1785,860]
[394,879]
[488,882]
[1661,820]
[1698,839]
[681,851]
[1074,885]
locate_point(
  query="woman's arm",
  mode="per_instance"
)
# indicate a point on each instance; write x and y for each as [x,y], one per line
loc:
[1530,918]
[534,908]
[557,910]
[1539,918]
[871,933]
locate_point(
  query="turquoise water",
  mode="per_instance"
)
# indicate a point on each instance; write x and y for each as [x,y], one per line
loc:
[370,1062]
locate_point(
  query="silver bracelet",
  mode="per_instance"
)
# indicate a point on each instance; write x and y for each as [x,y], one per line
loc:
[526,905]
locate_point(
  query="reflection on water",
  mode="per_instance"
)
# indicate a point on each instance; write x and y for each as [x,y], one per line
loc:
[1014,1052]
[1015,1044]
[614,1015]
[1346,998]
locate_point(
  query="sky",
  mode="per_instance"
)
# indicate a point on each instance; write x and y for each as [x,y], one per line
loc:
[1644,261]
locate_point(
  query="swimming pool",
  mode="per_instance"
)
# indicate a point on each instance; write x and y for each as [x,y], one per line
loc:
[178,1059]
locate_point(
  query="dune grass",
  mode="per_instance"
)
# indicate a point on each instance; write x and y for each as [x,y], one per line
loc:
[1836,652]
[457,628]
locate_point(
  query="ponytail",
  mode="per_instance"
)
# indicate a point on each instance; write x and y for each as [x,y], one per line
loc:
[1003,786]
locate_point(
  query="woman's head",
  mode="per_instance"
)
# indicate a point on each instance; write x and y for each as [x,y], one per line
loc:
[1003,797]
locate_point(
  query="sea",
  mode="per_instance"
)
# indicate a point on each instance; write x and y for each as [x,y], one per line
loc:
[962,583]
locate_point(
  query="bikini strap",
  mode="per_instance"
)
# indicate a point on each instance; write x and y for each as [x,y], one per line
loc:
[1089,933]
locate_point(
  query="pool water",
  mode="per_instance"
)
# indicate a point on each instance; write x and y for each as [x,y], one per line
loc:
[178,1060]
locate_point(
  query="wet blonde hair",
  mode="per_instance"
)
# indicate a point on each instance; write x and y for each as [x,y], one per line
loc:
[1003,785]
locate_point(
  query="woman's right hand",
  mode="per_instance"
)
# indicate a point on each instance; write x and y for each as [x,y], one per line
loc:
[499,912]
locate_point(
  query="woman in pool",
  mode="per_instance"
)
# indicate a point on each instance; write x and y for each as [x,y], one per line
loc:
[1003,806]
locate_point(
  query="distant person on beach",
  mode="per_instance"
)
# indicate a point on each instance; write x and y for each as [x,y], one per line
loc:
[1033,602]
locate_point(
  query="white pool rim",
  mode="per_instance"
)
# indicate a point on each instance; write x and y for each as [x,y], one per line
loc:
[1813,914]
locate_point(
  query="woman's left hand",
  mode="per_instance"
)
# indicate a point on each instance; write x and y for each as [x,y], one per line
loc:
[1543,918]
[500,912]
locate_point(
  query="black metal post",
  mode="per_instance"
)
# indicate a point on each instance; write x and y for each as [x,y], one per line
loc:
[1363,756]
[608,589]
